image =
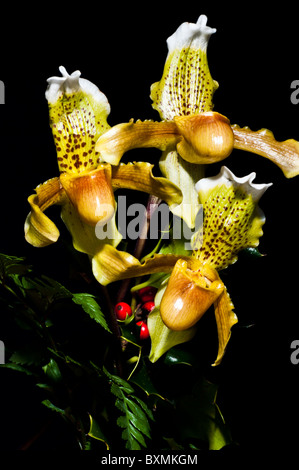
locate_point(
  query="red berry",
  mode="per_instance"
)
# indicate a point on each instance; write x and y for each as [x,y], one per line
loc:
[144,333]
[122,310]
[148,306]
[147,294]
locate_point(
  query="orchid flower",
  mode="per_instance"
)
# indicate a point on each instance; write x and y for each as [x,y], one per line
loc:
[191,133]
[85,188]
[232,222]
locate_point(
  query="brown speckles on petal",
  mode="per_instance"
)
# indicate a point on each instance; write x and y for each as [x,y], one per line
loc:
[186,86]
[77,122]
[228,215]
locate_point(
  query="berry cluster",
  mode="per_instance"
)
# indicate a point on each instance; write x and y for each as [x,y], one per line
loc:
[146,304]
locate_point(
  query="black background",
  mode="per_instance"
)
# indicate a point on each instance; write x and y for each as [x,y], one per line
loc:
[254,56]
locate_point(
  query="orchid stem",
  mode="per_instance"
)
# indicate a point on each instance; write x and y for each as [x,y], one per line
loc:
[152,204]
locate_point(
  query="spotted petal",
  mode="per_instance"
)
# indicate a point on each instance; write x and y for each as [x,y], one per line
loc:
[78,113]
[232,219]
[186,86]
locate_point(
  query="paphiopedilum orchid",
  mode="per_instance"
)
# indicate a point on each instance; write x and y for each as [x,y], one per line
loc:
[85,188]
[191,133]
[232,222]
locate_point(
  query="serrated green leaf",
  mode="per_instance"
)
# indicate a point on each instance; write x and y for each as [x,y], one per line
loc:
[116,391]
[120,404]
[122,422]
[138,417]
[131,443]
[137,435]
[92,308]
[119,381]
[30,354]
[145,408]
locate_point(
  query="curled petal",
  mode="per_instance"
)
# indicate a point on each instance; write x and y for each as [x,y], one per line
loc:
[139,176]
[188,295]
[225,319]
[111,265]
[39,229]
[78,113]
[226,178]
[91,194]
[127,136]
[284,154]
[186,86]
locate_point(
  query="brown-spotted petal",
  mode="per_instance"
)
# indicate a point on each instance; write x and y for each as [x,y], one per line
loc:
[284,154]
[78,113]
[39,229]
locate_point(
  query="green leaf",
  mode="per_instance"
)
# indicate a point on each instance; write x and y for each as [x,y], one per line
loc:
[12,265]
[179,356]
[95,431]
[135,413]
[92,308]
[52,371]
[52,407]
[27,356]
[18,368]
[142,378]
[162,338]
[198,416]
[145,408]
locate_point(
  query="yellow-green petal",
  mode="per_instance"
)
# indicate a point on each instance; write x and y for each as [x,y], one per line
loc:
[86,238]
[184,175]
[39,229]
[225,319]
[186,86]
